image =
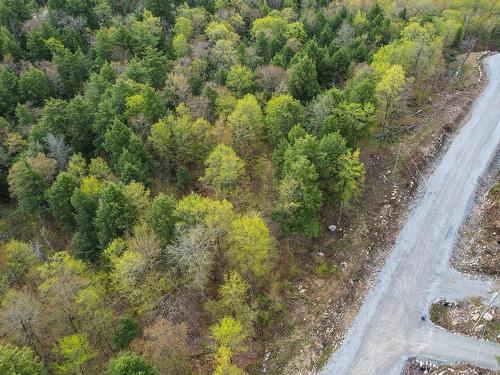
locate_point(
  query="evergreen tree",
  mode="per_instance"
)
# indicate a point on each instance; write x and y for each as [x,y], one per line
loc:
[129,363]
[299,200]
[59,199]
[114,216]
[303,82]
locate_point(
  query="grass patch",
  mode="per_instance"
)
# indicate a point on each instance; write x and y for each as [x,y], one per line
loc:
[328,269]
[437,312]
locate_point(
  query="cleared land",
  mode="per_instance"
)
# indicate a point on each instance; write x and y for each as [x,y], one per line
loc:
[388,328]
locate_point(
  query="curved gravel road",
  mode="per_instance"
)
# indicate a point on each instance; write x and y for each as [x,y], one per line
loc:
[388,329]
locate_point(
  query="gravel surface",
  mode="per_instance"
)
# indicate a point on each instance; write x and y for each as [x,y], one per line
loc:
[388,329]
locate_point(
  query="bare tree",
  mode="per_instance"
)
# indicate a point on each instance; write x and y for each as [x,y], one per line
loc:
[346,33]
[58,150]
[468,45]
[165,345]
[270,77]
[193,256]
[20,317]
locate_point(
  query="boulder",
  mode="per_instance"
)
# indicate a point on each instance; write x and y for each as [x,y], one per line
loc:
[478,328]
[488,317]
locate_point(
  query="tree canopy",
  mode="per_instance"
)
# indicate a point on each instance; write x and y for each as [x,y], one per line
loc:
[168,169]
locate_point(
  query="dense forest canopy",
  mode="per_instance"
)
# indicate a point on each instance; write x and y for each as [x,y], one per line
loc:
[154,154]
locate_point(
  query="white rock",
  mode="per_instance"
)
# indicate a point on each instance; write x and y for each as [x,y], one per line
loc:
[478,328]
[488,317]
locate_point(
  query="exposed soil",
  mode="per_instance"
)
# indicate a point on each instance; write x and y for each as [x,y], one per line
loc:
[417,367]
[469,317]
[345,263]
[479,250]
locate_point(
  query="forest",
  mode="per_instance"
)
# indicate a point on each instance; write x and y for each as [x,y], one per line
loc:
[162,161]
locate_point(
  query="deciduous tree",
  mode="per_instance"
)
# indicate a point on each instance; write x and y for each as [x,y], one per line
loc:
[282,113]
[240,79]
[164,344]
[223,170]
[75,352]
[247,128]
[389,91]
[19,258]
[20,361]
[28,179]
[251,247]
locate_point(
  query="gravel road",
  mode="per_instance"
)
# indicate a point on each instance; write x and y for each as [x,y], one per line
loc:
[388,329]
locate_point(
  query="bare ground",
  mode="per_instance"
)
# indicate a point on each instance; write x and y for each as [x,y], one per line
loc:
[479,252]
[470,317]
[418,367]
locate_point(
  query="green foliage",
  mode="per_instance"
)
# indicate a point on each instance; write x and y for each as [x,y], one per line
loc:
[134,163]
[136,269]
[234,301]
[8,90]
[299,200]
[19,258]
[361,88]
[110,109]
[327,269]
[351,120]
[224,363]
[436,312]
[240,79]
[115,215]
[76,352]
[303,82]
[85,202]
[34,86]
[71,120]
[116,139]
[180,140]
[127,329]
[270,35]
[223,170]
[28,179]
[129,363]
[73,67]
[350,178]
[20,361]
[282,113]
[246,124]
[14,12]
[150,69]
[389,92]
[193,210]
[331,148]
[418,53]
[229,333]
[251,247]
[59,199]
[9,45]
[161,218]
